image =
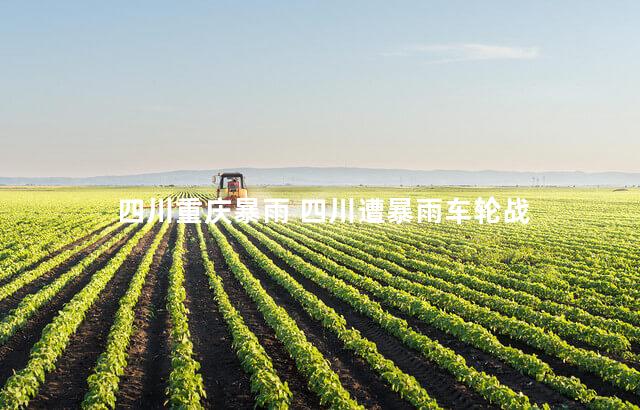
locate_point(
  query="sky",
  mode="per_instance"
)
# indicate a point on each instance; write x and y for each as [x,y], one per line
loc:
[113,88]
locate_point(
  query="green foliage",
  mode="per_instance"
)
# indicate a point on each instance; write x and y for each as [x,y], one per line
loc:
[469,332]
[185,387]
[400,382]
[103,382]
[20,315]
[24,384]
[271,392]
[608,369]
[33,274]
[321,378]
[487,386]
[567,284]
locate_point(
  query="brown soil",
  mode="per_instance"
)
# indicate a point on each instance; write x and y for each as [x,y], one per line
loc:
[226,383]
[441,385]
[482,361]
[284,365]
[15,352]
[145,378]
[66,385]
[366,386]
[55,253]
[564,369]
[11,302]
[537,392]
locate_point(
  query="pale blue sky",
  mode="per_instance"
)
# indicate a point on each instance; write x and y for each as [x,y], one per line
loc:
[91,88]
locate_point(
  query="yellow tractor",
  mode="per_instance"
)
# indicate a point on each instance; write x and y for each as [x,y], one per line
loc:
[230,186]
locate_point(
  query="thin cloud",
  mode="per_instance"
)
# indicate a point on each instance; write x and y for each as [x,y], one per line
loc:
[451,53]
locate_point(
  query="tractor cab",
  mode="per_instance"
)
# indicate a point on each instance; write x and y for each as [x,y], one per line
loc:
[230,186]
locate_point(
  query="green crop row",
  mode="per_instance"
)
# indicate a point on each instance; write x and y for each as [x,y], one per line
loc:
[321,378]
[591,303]
[24,384]
[608,369]
[15,261]
[613,290]
[407,386]
[103,382]
[33,274]
[271,392]
[426,274]
[185,388]
[453,324]
[487,386]
[19,316]
[456,274]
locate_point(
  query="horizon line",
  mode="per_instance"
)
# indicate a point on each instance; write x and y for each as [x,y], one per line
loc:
[326,167]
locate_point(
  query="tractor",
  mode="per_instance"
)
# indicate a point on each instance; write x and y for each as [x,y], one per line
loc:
[230,186]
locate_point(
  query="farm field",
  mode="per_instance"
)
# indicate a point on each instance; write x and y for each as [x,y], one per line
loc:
[99,314]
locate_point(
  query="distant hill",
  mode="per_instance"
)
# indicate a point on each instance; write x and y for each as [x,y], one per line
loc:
[350,176]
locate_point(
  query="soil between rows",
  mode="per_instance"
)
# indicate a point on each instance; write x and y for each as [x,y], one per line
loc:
[440,385]
[635,347]
[226,383]
[591,380]
[11,302]
[536,391]
[148,358]
[53,254]
[480,360]
[364,385]
[303,397]
[66,385]
[561,368]
[14,353]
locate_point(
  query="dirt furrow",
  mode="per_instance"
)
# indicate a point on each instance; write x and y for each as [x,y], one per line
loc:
[66,385]
[509,376]
[564,369]
[15,353]
[11,302]
[441,385]
[226,383]
[54,254]
[355,374]
[303,398]
[148,360]
[537,392]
